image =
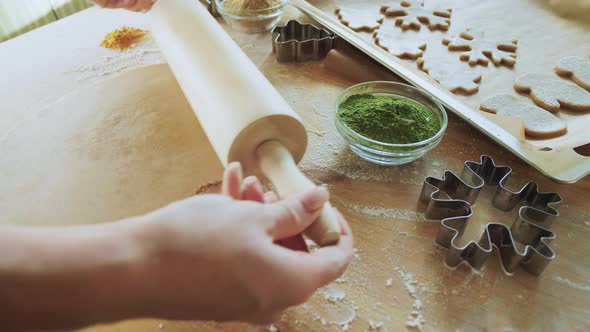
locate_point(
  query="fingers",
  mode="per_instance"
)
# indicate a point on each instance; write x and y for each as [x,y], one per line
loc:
[252,190]
[323,265]
[293,215]
[232,181]
[296,243]
[270,197]
[134,5]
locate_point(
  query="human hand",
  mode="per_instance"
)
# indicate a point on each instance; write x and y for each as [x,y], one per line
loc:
[220,257]
[133,5]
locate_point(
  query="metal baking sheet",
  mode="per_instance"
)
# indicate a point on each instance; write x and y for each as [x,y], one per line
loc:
[543,38]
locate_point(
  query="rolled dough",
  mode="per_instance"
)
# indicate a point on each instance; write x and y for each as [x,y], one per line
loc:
[121,147]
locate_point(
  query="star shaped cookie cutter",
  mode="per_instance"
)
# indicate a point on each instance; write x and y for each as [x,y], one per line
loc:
[525,243]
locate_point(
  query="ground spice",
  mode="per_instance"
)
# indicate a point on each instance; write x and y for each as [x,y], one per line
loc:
[389,119]
[237,6]
[123,39]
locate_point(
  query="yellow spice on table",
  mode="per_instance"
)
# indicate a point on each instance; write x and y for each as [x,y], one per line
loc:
[123,38]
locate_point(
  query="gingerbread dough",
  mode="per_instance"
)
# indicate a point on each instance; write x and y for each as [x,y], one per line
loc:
[359,19]
[552,93]
[454,78]
[575,68]
[480,49]
[404,46]
[411,14]
[538,123]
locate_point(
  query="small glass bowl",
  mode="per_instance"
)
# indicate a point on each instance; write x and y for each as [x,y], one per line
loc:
[386,153]
[253,21]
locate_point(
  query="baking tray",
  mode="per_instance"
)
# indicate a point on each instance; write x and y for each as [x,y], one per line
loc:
[543,38]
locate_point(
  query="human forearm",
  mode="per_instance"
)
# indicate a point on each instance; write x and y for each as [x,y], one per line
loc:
[71,276]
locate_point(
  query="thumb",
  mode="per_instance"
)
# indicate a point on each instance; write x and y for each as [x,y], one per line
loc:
[293,215]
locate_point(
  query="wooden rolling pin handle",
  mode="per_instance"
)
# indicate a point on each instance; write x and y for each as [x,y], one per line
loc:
[278,166]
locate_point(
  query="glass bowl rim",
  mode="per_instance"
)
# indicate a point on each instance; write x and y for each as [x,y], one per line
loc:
[252,13]
[427,141]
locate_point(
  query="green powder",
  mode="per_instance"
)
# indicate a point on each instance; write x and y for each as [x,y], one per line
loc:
[389,119]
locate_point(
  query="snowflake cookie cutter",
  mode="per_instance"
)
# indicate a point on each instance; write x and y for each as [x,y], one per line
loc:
[450,200]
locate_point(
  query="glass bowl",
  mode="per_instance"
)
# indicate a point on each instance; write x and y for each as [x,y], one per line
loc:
[252,21]
[386,153]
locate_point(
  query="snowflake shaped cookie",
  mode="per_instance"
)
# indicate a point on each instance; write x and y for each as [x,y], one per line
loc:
[453,77]
[412,14]
[404,46]
[480,49]
[359,19]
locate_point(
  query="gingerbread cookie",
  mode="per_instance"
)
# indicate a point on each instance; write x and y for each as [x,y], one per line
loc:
[402,46]
[538,123]
[552,93]
[455,78]
[575,68]
[411,14]
[480,50]
[359,19]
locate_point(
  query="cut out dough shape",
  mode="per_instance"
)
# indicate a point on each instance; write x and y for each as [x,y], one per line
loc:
[575,68]
[411,14]
[480,50]
[553,93]
[407,47]
[359,19]
[454,78]
[538,123]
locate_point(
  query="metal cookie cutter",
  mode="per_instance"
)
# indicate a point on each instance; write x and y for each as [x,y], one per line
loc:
[301,42]
[525,243]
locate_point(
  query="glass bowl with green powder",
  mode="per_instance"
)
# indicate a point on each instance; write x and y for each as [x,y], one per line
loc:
[389,123]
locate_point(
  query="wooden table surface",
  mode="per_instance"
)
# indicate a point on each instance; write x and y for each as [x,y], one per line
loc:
[391,237]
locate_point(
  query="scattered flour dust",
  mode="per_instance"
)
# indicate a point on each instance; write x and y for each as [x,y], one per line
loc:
[145,54]
[272,328]
[337,310]
[415,320]
[569,283]
[375,326]
[334,294]
[388,213]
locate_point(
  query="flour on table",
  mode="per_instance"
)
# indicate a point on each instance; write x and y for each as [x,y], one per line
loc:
[575,68]
[480,49]
[144,54]
[402,45]
[415,320]
[411,14]
[538,122]
[569,283]
[553,93]
[453,77]
[360,19]
[334,294]
[388,213]
[375,326]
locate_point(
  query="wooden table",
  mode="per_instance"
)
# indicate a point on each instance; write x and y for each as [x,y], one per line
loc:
[68,175]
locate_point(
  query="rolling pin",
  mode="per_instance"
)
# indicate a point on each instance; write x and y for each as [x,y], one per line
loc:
[243,115]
